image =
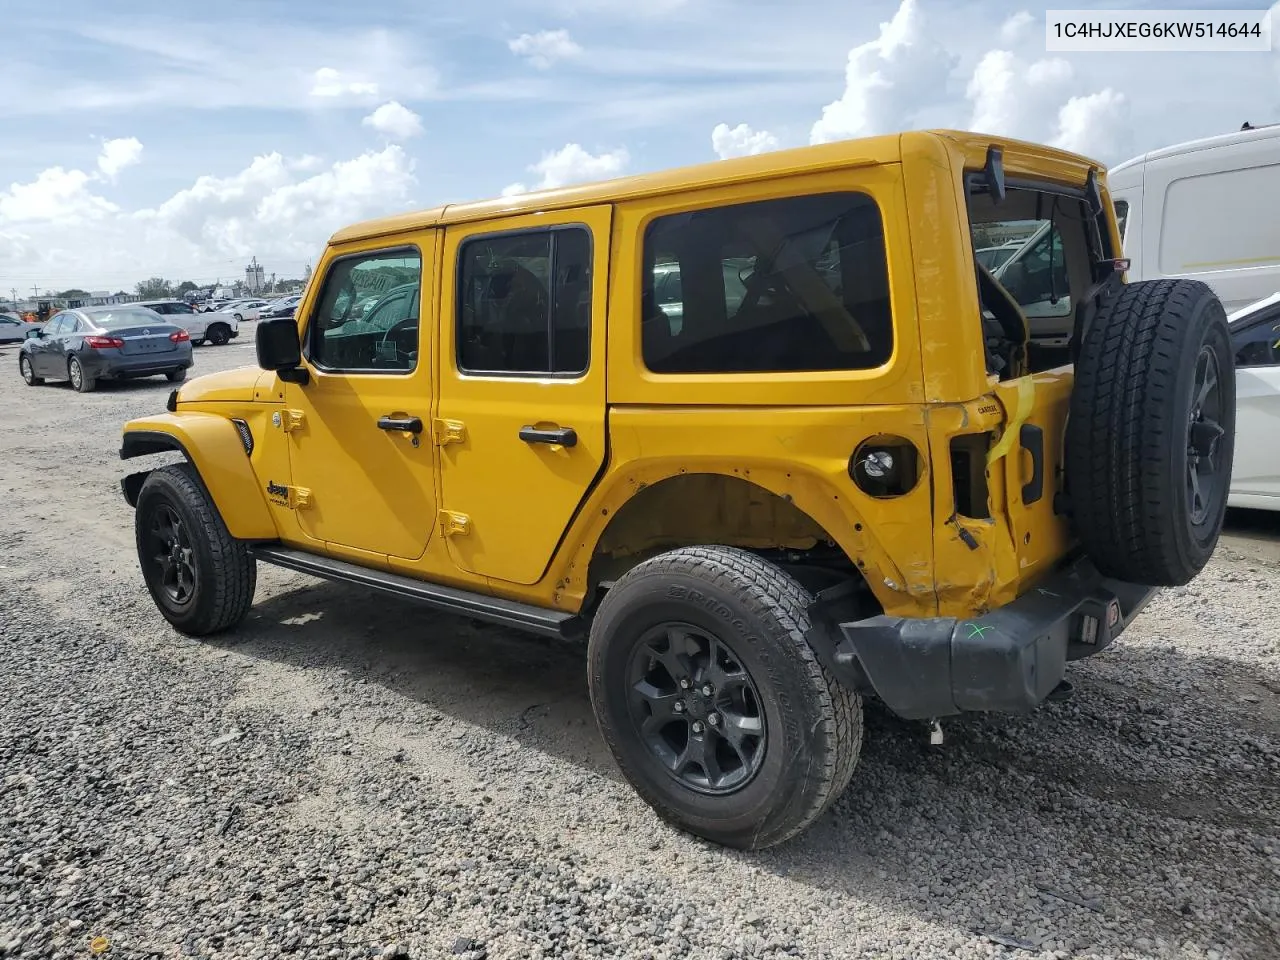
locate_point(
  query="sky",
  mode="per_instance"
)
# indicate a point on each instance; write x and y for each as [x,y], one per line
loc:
[142,138]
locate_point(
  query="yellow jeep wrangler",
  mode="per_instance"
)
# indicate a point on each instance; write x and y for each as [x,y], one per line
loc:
[872,418]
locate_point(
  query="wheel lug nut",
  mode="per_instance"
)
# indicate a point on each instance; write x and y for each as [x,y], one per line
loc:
[678,706]
[685,683]
[697,726]
[714,719]
[708,689]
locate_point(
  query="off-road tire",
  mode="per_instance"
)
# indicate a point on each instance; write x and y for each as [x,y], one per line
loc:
[79,378]
[813,727]
[176,376]
[226,573]
[1127,442]
[219,334]
[28,372]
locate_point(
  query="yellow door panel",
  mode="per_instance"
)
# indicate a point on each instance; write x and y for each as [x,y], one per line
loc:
[521,418]
[359,431]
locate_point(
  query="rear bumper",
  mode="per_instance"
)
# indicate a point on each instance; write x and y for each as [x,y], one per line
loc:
[105,367]
[1008,660]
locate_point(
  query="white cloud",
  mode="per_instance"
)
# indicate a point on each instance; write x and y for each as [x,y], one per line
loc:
[573,164]
[395,121]
[1097,125]
[1016,27]
[118,154]
[1042,101]
[56,196]
[544,48]
[741,141]
[328,82]
[887,79]
[281,210]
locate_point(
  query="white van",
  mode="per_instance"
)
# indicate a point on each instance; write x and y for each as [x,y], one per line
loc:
[1208,209]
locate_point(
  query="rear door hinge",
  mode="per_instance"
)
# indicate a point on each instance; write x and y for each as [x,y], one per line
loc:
[454,524]
[288,420]
[449,431]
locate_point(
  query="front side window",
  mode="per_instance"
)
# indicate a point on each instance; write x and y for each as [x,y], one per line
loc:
[1258,344]
[367,317]
[524,303]
[794,284]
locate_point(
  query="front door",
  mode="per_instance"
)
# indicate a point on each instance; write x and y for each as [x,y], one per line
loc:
[522,385]
[360,452]
[1255,471]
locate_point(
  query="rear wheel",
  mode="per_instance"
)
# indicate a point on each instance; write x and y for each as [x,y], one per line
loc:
[218,334]
[201,578]
[178,375]
[1151,433]
[712,702]
[80,379]
[28,372]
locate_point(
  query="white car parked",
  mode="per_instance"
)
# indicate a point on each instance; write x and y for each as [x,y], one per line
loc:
[244,309]
[1255,470]
[215,328]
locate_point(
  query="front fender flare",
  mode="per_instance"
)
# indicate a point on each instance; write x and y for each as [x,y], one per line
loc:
[212,445]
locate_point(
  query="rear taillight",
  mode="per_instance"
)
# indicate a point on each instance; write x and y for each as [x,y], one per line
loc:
[102,343]
[180,337]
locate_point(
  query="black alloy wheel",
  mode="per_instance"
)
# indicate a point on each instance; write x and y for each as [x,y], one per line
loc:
[696,708]
[168,548]
[1204,436]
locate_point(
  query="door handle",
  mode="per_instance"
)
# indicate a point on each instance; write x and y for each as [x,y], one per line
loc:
[1032,439]
[564,436]
[407,424]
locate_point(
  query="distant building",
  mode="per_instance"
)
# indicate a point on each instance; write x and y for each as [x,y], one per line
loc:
[254,276]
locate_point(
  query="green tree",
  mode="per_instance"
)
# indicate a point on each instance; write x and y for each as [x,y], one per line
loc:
[75,293]
[186,286]
[154,288]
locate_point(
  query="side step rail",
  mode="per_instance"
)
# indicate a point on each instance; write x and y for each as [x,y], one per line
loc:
[507,613]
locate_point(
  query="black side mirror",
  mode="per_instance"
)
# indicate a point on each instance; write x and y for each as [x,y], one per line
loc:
[279,350]
[35,334]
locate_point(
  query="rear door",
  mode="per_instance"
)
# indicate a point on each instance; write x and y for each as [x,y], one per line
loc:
[522,385]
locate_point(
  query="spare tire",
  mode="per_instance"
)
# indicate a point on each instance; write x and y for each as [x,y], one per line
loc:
[1151,432]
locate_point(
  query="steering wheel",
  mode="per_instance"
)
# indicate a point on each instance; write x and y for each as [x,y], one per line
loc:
[407,356]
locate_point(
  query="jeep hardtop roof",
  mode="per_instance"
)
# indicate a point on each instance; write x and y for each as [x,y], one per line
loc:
[863,151]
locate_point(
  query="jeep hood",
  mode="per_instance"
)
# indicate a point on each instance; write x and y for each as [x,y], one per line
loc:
[229,386]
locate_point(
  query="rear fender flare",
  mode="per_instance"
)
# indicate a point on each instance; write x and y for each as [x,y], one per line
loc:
[212,445]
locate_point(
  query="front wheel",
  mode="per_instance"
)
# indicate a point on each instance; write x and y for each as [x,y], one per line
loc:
[28,372]
[712,702]
[201,578]
[219,334]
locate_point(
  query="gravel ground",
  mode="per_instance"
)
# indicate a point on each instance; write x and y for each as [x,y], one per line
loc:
[352,776]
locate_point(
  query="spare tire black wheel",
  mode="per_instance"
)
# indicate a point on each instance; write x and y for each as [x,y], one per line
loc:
[1151,432]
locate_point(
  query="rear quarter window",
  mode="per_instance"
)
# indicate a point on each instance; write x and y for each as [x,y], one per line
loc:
[786,285]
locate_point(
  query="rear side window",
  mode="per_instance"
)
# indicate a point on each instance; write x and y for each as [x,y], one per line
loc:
[788,285]
[524,303]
